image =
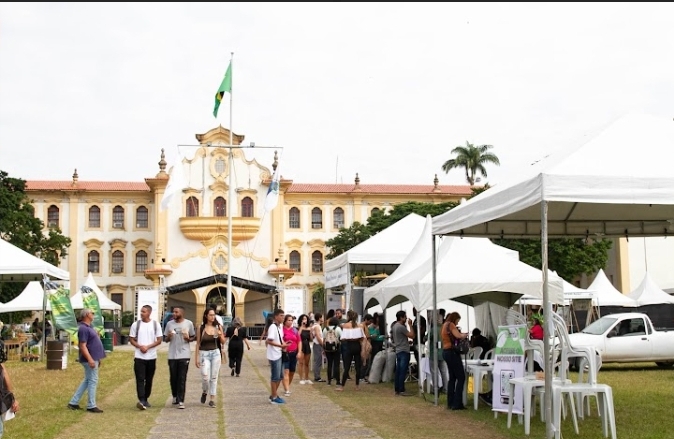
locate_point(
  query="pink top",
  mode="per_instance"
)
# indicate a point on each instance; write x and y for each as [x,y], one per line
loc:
[290,335]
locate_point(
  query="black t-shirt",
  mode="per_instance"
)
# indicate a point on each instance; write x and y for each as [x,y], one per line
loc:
[421,336]
[236,341]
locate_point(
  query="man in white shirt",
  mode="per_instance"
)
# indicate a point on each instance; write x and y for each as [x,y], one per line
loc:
[145,335]
[275,348]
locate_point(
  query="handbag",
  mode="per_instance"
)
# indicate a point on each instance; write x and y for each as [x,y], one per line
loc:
[284,357]
[365,349]
[462,346]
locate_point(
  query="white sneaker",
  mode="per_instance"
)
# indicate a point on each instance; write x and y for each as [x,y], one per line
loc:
[302,382]
[287,393]
[308,382]
[181,405]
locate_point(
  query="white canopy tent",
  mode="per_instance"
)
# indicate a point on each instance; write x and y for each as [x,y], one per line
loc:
[594,190]
[32,298]
[605,294]
[17,265]
[648,293]
[469,271]
[388,247]
[104,302]
[570,292]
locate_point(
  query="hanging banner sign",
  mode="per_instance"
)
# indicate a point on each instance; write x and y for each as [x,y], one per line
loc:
[509,363]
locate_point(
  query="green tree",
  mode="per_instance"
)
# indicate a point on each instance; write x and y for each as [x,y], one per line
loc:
[380,220]
[346,239]
[568,257]
[472,159]
[19,226]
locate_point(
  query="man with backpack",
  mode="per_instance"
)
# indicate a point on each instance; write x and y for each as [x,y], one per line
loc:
[145,335]
[332,334]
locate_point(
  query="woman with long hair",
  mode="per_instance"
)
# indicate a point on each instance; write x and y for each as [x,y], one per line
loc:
[290,335]
[207,355]
[237,336]
[352,334]
[450,337]
[304,352]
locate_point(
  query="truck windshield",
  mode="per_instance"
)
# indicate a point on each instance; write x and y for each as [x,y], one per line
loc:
[600,326]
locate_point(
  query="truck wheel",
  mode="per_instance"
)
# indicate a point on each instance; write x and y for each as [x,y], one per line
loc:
[664,364]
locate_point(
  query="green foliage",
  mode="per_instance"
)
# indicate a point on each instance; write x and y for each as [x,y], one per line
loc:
[128,318]
[379,220]
[318,297]
[472,159]
[347,238]
[568,257]
[19,226]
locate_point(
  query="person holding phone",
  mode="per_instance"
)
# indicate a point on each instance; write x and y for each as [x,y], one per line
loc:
[179,333]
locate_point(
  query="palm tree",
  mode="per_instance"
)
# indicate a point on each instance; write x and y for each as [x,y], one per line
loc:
[472,159]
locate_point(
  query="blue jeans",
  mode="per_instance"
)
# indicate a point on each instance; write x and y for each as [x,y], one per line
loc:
[402,363]
[210,368]
[276,367]
[89,383]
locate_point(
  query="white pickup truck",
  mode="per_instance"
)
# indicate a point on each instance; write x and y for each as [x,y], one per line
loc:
[628,338]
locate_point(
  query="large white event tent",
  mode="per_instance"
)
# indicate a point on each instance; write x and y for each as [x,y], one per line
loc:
[103,300]
[599,189]
[388,247]
[30,299]
[648,293]
[605,294]
[17,265]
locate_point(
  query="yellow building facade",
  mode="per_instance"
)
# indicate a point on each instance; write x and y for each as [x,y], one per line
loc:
[121,234]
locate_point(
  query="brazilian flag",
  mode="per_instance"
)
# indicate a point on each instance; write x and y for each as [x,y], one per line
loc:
[226,86]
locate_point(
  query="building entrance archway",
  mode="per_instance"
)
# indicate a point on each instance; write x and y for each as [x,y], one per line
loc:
[218,296]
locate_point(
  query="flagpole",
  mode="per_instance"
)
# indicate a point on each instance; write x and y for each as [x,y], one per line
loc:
[228,309]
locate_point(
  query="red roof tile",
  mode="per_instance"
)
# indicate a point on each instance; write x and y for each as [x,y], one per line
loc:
[92,186]
[313,188]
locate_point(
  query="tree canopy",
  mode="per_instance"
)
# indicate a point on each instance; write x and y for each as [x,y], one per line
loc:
[19,226]
[472,159]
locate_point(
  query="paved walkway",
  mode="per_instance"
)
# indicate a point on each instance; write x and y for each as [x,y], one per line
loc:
[248,414]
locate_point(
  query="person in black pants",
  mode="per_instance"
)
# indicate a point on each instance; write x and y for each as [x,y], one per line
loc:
[333,357]
[179,333]
[352,334]
[237,337]
[457,376]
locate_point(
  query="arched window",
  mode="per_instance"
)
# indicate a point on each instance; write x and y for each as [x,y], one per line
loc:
[247,207]
[374,210]
[316,218]
[220,165]
[294,218]
[117,261]
[118,217]
[52,216]
[220,207]
[141,261]
[295,261]
[192,207]
[93,262]
[338,218]
[317,262]
[142,218]
[94,217]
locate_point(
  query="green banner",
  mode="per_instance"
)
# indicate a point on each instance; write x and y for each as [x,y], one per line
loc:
[90,300]
[61,309]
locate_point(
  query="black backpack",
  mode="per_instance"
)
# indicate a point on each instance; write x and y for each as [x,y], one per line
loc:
[331,343]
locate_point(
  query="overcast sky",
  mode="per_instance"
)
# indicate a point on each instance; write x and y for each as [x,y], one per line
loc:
[385,90]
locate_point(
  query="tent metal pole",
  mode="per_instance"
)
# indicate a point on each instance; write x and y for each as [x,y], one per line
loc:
[436,386]
[549,328]
[419,351]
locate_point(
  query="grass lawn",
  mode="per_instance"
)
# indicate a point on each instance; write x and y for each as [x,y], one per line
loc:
[642,395]
[44,394]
